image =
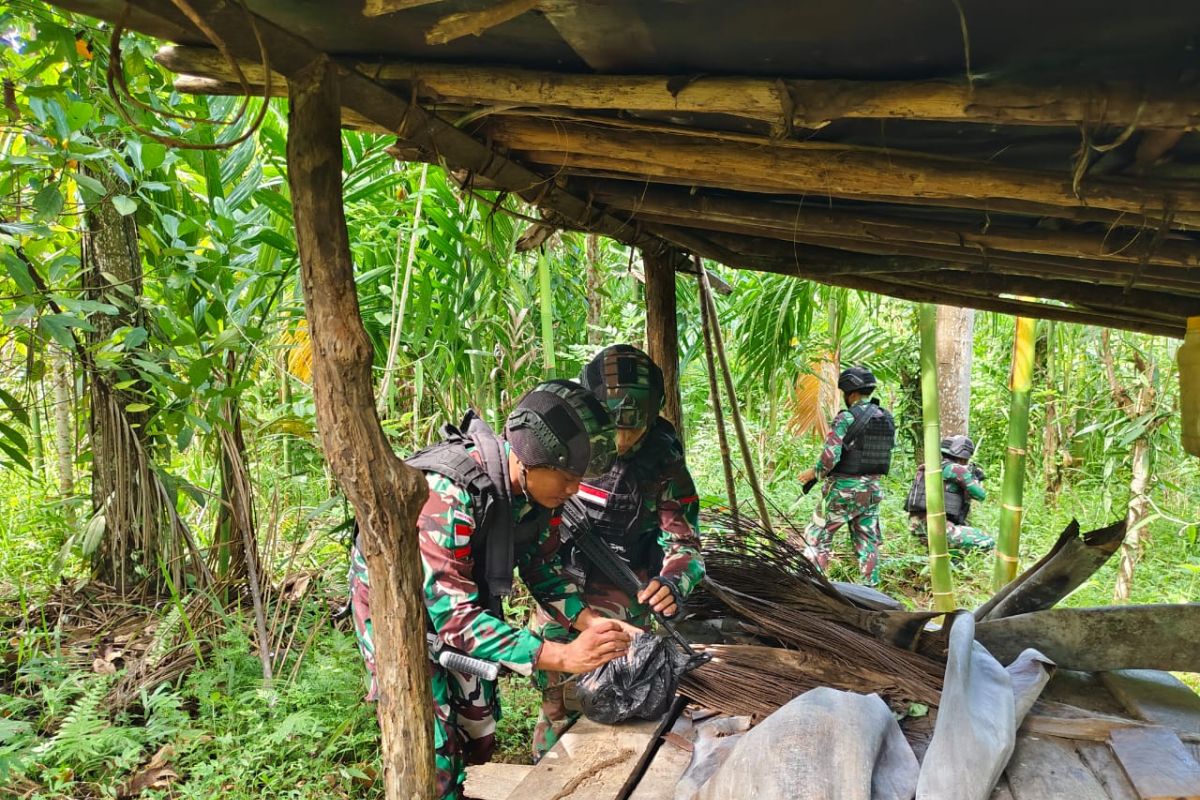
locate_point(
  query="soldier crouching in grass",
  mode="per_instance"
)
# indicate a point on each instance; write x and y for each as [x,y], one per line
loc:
[492,506]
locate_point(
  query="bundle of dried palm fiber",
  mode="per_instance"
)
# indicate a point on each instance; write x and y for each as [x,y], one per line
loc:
[744,561]
[747,680]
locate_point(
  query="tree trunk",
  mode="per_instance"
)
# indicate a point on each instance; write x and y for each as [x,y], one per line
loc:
[387,495]
[1141,456]
[121,489]
[595,285]
[235,517]
[63,378]
[662,331]
[955,347]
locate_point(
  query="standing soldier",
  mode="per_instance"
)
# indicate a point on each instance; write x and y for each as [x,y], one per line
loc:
[490,508]
[962,481]
[857,453]
[644,508]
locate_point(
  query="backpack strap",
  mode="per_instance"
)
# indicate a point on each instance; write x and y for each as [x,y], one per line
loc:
[862,418]
[501,529]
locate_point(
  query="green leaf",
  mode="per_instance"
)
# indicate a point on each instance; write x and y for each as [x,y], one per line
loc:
[90,185]
[16,455]
[124,204]
[18,270]
[275,240]
[78,114]
[14,407]
[134,408]
[14,436]
[153,155]
[48,203]
[58,326]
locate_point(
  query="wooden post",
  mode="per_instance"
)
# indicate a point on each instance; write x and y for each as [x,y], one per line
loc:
[386,494]
[662,331]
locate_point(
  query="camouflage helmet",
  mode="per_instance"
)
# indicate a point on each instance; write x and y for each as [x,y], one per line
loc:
[561,424]
[958,446]
[856,379]
[628,383]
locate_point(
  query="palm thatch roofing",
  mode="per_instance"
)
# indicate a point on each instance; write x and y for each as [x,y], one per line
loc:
[1037,157]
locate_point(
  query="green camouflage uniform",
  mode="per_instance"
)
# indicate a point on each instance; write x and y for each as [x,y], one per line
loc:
[846,500]
[957,478]
[673,518]
[466,708]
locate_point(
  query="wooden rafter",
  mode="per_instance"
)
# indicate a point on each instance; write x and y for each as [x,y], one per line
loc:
[796,220]
[813,103]
[828,170]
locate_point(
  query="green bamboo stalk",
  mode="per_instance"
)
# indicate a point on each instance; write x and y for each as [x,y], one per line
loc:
[547,303]
[35,433]
[935,503]
[1012,491]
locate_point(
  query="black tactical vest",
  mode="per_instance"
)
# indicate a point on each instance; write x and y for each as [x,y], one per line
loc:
[497,538]
[958,504]
[867,447]
[616,505]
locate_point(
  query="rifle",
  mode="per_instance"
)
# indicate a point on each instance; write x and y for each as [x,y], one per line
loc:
[458,661]
[615,569]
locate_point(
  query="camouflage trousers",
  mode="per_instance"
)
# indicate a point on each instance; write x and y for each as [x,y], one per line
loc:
[854,503]
[555,717]
[958,537]
[465,708]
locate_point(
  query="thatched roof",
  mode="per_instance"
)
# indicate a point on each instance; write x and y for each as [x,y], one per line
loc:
[836,141]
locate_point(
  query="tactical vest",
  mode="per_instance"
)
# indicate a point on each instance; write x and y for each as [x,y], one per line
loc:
[497,537]
[957,503]
[616,505]
[867,446]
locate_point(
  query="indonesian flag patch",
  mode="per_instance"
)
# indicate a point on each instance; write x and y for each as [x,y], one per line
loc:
[594,496]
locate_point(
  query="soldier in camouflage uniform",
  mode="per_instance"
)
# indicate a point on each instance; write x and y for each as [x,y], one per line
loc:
[962,481]
[856,455]
[504,487]
[645,508]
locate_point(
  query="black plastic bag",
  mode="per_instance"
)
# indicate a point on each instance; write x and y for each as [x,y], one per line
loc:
[638,685]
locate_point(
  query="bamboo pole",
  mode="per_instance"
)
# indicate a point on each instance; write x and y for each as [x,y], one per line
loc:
[546,303]
[714,396]
[1012,491]
[935,501]
[734,411]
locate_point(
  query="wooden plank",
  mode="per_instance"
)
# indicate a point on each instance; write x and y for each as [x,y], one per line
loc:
[590,762]
[1104,765]
[668,766]
[609,36]
[1045,767]
[495,781]
[1157,764]
[1155,696]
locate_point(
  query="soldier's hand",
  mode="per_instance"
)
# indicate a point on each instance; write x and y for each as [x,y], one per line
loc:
[659,597]
[807,475]
[597,645]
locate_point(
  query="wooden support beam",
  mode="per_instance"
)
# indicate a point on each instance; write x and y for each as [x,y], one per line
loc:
[823,169]
[387,495]
[987,282]
[817,268]
[814,102]
[662,332]
[376,8]
[792,220]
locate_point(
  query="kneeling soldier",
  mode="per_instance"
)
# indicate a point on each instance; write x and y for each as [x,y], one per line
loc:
[962,481]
